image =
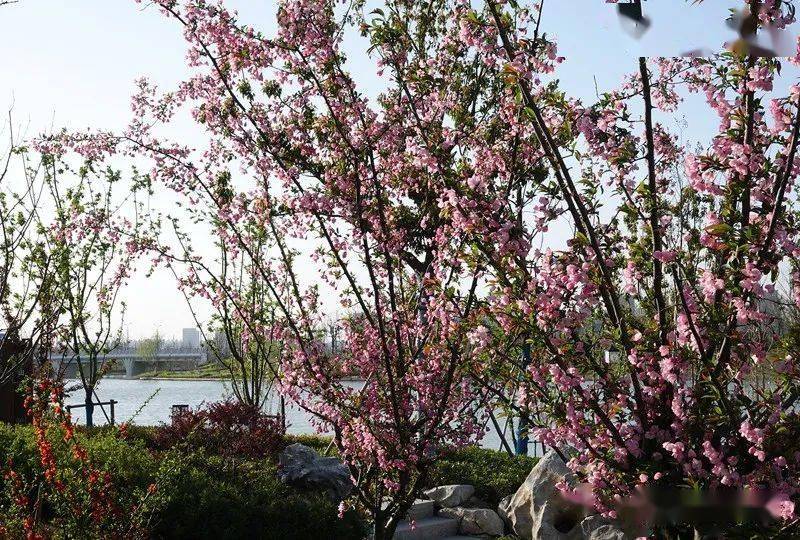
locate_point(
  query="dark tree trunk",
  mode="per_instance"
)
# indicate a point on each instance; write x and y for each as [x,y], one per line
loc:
[384,530]
[89,408]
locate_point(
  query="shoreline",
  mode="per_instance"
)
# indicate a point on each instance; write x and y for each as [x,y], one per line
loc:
[188,379]
[145,378]
[197,379]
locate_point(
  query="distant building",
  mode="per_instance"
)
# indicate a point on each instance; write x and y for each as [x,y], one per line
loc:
[191,338]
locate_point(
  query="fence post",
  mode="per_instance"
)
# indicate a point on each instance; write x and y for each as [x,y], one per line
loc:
[112,402]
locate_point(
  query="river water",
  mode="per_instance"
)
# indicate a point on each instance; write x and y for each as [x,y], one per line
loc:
[149,403]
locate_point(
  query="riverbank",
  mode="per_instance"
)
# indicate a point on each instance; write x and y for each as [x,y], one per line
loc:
[193,375]
[208,372]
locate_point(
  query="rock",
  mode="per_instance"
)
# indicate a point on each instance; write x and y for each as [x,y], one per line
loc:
[598,528]
[475,520]
[503,511]
[450,496]
[537,509]
[302,467]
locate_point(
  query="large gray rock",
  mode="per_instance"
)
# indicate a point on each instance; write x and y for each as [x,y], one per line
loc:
[450,496]
[302,467]
[475,520]
[537,510]
[597,527]
[503,510]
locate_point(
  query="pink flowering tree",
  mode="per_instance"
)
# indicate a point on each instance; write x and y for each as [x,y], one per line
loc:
[432,217]
[660,328]
[351,200]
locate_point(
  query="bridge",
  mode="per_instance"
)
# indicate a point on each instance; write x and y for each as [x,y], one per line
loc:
[126,359]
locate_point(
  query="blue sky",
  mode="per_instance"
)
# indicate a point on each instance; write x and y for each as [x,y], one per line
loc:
[72,63]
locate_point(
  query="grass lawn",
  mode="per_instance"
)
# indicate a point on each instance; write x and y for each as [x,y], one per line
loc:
[209,371]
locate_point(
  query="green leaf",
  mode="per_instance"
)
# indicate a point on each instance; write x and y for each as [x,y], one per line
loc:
[719,229]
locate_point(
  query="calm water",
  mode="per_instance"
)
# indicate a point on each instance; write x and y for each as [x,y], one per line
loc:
[153,401]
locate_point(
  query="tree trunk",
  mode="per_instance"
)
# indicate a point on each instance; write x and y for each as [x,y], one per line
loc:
[89,408]
[385,524]
[384,530]
[390,527]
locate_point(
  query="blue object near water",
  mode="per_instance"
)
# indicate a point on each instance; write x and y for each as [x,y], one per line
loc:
[521,446]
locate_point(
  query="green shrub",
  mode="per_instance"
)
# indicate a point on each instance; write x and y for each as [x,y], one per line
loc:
[199,495]
[17,443]
[207,496]
[128,461]
[142,434]
[494,474]
[92,485]
[145,434]
[210,499]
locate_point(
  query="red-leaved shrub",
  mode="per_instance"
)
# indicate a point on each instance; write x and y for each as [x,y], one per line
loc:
[227,428]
